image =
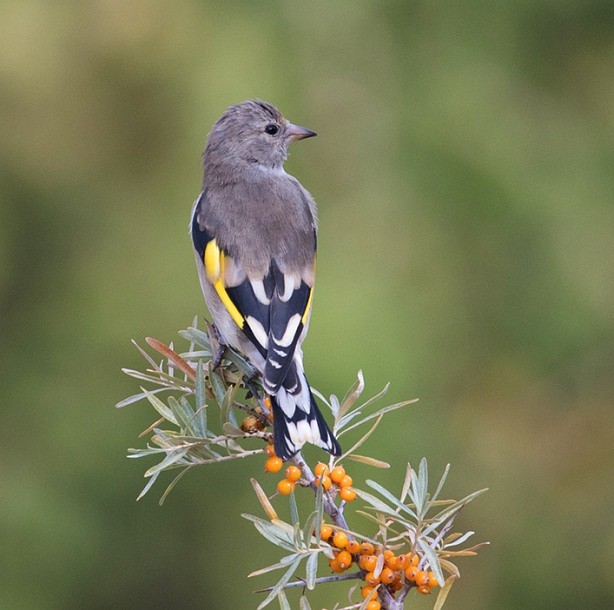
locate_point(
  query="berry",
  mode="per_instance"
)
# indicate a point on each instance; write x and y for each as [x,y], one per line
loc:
[411,573]
[320,469]
[335,566]
[285,487]
[325,481]
[346,481]
[387,576]
[340,540]
[347,494]
[366,548]
[293,473]
[402,562]
[374,605]
[337,474]
[344,559]
[250,424]
[424,589]
[269,450]
[371,579]
[273,464]
[353,547]
[367,562]
[326,531]
[432,580]
[415,560]
[367,591]
[422,578]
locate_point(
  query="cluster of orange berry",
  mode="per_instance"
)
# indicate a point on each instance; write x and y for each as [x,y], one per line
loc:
[274,464]
[396,569]
[338,476]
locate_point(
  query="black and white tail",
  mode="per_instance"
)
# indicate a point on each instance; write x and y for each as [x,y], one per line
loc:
[297,420]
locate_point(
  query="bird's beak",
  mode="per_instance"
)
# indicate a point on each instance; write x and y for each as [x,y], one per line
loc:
[299,133]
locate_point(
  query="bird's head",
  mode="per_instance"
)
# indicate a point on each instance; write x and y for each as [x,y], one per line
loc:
[252,132]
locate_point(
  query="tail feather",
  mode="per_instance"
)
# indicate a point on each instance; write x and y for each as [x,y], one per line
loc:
[297,420]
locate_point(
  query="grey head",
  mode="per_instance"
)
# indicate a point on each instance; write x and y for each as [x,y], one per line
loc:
[250,134]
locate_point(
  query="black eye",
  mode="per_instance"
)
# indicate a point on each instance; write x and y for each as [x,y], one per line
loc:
[271,129]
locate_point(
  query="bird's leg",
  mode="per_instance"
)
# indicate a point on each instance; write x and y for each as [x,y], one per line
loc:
[218,347]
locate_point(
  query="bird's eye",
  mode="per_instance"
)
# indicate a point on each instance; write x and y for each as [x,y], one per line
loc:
[271,129]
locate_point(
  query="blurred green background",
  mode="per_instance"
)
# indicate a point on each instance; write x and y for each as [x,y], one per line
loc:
[465,178]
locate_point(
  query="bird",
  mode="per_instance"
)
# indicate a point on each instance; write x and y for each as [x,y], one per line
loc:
[254,232]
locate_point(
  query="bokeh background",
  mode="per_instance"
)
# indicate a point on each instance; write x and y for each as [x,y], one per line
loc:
[465,178]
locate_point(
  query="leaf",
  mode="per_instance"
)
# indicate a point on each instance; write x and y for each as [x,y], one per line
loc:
[304,603]
[136,397]
[217,384]
[378,505]
[148,486]
[369,461]
[433,560]
[353,394]
[443,593]
[449,567]
[201,399]
[309,528]
[264,500]
[171,458]
[183,412]
[406,483]
[434,497]
[172,485]
[391,498]
[378,413]
[293,510]
[160,407]
[455,541]
[311,570]
[363,439]
[282,581]
[283,600]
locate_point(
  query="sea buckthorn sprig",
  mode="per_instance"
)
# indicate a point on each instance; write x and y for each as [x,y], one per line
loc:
[412,546]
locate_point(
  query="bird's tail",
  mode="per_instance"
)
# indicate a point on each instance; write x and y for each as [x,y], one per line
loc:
[297,420]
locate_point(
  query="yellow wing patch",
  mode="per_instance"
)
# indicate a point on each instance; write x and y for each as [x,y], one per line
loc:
[214,260]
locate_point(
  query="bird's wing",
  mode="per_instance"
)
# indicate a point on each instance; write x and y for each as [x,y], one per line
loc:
[271,310]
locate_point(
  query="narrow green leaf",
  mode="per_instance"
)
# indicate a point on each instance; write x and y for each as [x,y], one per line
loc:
[171,458]
[406,483]
[352,395]
[434,497]
[184,414]
[136,397]
[217,384]
[380,506]
[363,439]
[304,603]
[369,461]
[267,532]
[433,560]
[282,581]
[391,498]
[294,518]
[443,593]
[378,413]
[283,600]
[201,399]
[172,485]
[311,570]
[160,407]
[308,530]
[148,486]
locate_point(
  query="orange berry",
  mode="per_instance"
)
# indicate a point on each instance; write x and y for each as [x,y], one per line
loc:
[340,540]
[337,473]
[347,494]
[367,591]
[367,562]
[269,450]
[371,579]
[293,473]
[321,468]
[285,487]
[388,553]
[432,580]
[387,576]
[267,402]
[325,481]
[424,589]
[344,559]
[346,481]
[402,562]
[366,548]
[273,464]
[411,573]
[374,605]
[422,578]
[335,566]
[326,531]
[415,560]
[353,547]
